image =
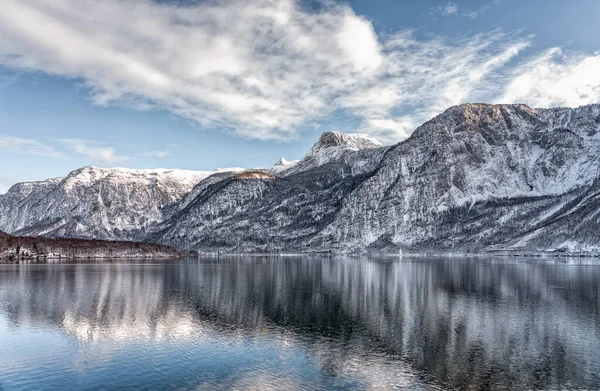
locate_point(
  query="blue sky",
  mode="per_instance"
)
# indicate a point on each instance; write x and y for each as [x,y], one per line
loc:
[201,85]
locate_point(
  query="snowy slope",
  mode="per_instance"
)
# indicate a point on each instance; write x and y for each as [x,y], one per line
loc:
[273,215]
[282,165]
[475,178]
[332,146]
[99,203]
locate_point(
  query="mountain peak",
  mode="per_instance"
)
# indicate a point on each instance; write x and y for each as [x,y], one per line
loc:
[330,146]
[282,165]
[353,141]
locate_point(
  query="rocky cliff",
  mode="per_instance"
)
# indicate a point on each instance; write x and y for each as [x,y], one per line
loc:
[96,203]
[476,178]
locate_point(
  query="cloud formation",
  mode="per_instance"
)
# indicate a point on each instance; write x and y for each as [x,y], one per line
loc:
[448,9]
[423,78]
[158,154]
[451,9]
[94,151]
[554,79]
[24,146]
[261,68]
[63,149]
[266,69]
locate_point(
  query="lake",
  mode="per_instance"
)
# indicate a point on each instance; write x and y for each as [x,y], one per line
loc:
[271,323]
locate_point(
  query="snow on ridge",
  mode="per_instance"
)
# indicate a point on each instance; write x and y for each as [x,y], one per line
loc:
[185,178]
[284,162]
[475,177]
[98,203]
[332,145]
[282,165]
[351,141]
[174,172]
[25,188]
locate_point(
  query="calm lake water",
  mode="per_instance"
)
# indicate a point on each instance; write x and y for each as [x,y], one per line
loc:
[261,323]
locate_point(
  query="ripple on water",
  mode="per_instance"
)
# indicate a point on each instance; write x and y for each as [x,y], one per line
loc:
[300,323]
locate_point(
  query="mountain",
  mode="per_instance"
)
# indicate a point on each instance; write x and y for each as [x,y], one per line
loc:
[476,178]
[277,214]
[481,178]
[332,146]
[282,165]
[96,203]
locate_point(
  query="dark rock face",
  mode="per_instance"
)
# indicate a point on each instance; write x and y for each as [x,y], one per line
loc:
[261,215]
[475,178]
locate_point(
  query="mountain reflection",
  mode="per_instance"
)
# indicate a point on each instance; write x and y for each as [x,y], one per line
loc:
[456,323]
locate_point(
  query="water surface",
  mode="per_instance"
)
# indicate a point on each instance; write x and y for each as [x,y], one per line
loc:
[260,323]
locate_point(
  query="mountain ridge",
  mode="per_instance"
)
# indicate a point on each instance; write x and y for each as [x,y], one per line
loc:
[125,200]
[475,178]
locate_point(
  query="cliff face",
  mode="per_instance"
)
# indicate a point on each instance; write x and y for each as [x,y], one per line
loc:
[96,203]
[475,178]
[274,215]
[481,177]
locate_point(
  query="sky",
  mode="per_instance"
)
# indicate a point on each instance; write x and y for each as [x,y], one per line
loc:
[240,83]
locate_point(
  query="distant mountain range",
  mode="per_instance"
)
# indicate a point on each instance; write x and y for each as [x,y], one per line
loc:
[476,178]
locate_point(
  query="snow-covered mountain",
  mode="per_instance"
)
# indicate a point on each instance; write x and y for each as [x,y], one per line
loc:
[225,214]
[475,178]
[481,177]
[332,146]
[282,165]
[96,203]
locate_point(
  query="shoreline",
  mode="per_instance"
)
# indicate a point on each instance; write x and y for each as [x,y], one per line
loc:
[548,254]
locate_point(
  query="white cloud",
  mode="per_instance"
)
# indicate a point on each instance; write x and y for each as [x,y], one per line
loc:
[157,154]
[553,79]
[420,79]
[449,9]
[389,129]
[93,151]
[477,13]
[485,8]
[29,147]
[262,69]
